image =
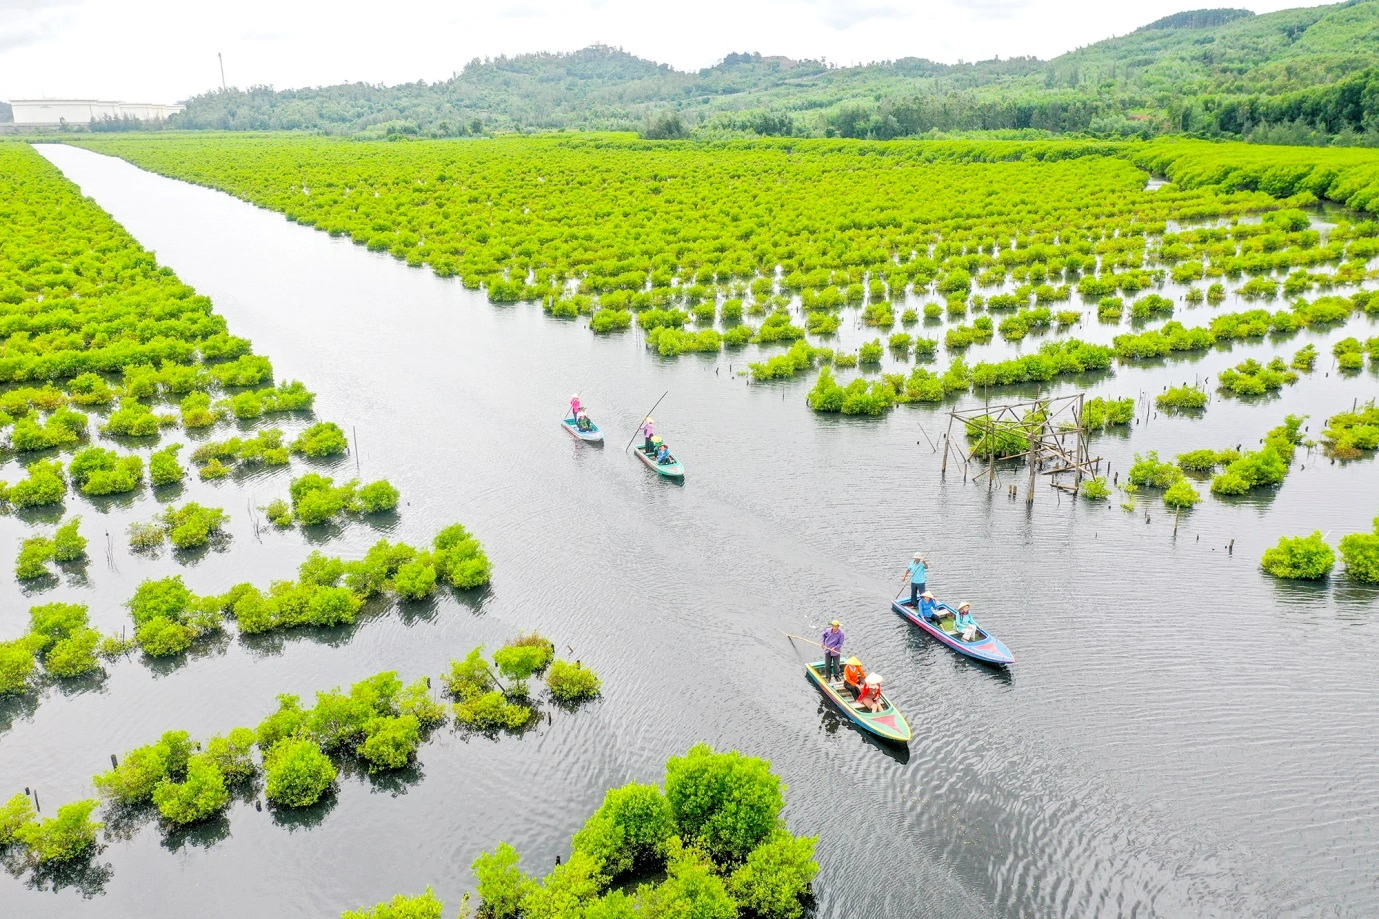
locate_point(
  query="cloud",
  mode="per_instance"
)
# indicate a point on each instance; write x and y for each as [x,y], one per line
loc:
[31,22]
[992,9]
[842,14]
[266,35]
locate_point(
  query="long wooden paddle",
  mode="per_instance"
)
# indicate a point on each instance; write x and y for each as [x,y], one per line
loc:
[644,417]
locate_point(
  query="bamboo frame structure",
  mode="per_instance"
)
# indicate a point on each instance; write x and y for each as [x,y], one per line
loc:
[1050,431]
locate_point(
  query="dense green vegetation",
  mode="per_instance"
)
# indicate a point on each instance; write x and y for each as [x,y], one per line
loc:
[1360,551]
[1306,558]
[703,224]
[1295,76]
[380,723]
[60,641]
[711,845]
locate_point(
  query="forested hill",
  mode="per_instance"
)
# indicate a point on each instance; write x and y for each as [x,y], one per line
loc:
[1296,76]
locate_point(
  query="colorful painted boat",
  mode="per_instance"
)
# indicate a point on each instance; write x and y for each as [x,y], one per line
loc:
[593,434]
[670,470]
[888,724]
[986,647]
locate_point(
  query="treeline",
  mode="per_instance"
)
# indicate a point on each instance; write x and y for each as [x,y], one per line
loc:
[1297,76]
[1347,110]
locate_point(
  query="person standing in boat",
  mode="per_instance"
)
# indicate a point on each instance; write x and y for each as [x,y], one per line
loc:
[833,651]
[919,575]
[575,407]
[648,432]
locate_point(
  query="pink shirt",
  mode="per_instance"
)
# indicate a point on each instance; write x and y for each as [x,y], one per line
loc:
[575,406]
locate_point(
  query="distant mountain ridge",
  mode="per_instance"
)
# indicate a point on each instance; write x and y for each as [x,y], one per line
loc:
[1302,75]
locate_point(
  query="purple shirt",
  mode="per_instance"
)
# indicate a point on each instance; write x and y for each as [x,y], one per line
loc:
[648,429]
[833,642]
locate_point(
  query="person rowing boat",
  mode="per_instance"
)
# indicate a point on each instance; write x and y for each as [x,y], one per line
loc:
[832,643]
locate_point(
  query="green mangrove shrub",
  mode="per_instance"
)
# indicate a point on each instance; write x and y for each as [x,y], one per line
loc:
[1349,435]
[199,795]
[1306,558]
[168,617]
[163,467]
[798,359]
[572,683]
[1206,460]
[1096,489]
[63,428]
[524,656]
[712,846]
[1181,494]
[401,906]
[726,802]
[1149,471]
[35,553]
[1099,413]
[14,813]
[1304,359]
[97,471]
[142,770]
[135,419]
[1360,551]
[69,835]
[1181,400]
[192,525]
[298,774]
[610,320]
[45,484]
[321,440]
[1251,378]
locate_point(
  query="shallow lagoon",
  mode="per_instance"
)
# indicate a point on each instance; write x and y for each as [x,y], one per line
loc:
[1180,736]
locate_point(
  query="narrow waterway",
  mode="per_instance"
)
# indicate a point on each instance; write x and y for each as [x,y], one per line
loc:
[1181,735]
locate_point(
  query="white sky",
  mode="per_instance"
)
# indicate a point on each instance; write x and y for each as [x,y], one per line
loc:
[165,50]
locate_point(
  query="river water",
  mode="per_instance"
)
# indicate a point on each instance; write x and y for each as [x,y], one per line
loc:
[1181,735]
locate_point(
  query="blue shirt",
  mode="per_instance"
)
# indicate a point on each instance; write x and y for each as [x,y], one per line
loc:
[927,608]
[965,619]
[833,642]
[918,572]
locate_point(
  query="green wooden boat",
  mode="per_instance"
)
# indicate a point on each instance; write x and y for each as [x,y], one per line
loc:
[670,470]
[888,724]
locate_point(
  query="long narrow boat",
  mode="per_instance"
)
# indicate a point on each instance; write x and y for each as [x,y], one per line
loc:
[593,434]
[986,647]
[888,724]
[670,470]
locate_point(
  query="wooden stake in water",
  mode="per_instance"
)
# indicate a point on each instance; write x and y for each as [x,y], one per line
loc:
[355,429]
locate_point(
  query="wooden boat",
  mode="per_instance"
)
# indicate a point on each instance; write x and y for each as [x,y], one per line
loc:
[593,434]
[670,470]
[888,724]
[986,647]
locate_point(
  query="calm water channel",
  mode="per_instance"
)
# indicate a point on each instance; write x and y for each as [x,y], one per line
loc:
[1181,736]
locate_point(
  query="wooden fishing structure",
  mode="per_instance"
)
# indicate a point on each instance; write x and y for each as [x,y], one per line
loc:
[1047,434]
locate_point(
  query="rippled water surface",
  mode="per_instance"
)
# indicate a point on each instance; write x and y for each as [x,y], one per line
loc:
[1181,736]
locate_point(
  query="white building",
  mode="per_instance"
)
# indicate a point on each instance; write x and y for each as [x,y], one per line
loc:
[52,113]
